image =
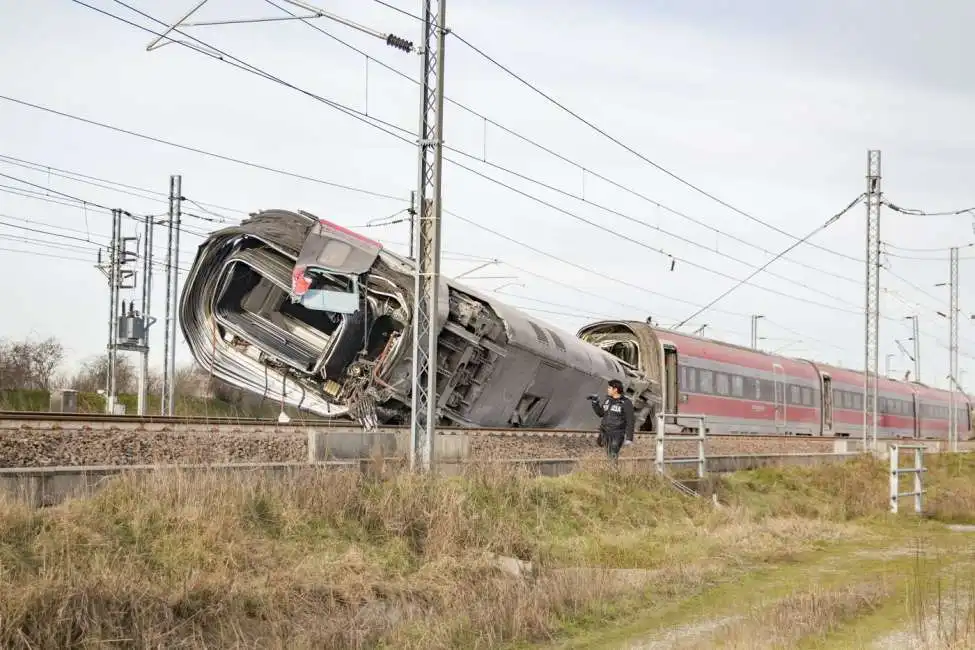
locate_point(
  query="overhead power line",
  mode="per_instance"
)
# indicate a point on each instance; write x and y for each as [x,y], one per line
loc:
[368,119]
[111,185]
[941,249]
[561,157]
[203,152]
[625,146]
[825,225]
[249,68]
[922,213]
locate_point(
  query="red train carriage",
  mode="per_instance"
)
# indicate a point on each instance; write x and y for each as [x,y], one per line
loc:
[741,390]
[933,413]
[895,404]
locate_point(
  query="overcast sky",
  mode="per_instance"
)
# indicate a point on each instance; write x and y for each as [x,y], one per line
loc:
[769,106]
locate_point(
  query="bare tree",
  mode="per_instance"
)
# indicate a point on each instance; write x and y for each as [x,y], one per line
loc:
[29,365]
[94,373]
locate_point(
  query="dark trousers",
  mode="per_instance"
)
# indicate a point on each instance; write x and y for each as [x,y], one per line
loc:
[613,446]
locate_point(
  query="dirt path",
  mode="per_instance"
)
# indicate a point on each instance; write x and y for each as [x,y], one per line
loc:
[846,595]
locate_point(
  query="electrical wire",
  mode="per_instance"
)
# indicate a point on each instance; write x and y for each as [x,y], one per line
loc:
[623,145]
[257,71]
[82,178]
[670,256]
[922,213]
[372,122]
[942,249]
[204,152]
[824,226]
[560,157]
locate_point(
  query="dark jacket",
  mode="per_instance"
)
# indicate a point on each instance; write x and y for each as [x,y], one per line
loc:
[618,419]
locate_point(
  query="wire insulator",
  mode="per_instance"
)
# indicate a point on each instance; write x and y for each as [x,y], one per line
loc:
[399,43]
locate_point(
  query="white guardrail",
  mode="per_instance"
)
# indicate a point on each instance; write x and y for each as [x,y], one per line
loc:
[661,462]
[896,471]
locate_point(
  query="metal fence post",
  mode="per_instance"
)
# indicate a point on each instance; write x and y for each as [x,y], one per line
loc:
[918,468]
[895,473]
[894,478]
[701,428]
[659,456]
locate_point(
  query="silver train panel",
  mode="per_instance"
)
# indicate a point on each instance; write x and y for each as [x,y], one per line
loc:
[255,311]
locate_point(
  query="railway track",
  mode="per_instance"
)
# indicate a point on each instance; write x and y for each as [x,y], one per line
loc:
[39,439]
[205,424]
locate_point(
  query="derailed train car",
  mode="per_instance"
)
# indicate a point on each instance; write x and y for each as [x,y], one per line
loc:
[304,311]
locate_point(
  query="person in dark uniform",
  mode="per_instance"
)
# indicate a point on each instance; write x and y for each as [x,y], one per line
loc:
[618,420]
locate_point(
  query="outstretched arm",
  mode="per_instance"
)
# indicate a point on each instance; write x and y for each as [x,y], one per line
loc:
[597,408]
[630,419]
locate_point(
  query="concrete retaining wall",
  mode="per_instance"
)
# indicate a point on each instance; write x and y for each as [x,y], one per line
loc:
[47,486]
[324,445]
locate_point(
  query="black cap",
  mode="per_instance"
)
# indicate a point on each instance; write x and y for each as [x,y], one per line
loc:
[617,384]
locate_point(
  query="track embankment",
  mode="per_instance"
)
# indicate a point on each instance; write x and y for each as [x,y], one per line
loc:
[43,443]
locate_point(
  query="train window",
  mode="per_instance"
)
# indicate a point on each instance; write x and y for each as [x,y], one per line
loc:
[758,389]
[682,378]
[794,395]
[721,383]
[807,398]
[691,380]
[882,405]
[738,386]
[857,400]
[707,381]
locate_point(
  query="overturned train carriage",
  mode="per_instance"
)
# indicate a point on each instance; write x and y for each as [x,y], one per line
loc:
[303,311]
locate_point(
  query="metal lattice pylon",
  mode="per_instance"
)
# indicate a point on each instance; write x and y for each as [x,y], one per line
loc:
[953,351]
[872,303]
[425,331]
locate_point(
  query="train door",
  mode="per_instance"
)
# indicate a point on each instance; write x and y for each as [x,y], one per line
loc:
[671,385]
[778,376]
[827,389]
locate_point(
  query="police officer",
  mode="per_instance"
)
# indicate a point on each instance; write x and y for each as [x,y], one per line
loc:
[618,419]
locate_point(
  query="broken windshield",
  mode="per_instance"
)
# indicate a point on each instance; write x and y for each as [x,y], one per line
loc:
[328,291]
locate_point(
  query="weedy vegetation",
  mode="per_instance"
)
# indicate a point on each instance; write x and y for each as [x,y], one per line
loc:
[494,558]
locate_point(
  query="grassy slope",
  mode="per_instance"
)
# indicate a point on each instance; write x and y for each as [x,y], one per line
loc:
[887,580]
[341,560]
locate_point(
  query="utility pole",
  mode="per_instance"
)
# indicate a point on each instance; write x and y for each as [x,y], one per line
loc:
[755,318]
[953,350]
[172,295]
[915,336]
[412,212]
[871,342]
[427,280]
[146,320]
[120,333]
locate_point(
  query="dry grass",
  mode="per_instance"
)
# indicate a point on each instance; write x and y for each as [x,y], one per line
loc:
[809,614]
[345,560]
[318,559]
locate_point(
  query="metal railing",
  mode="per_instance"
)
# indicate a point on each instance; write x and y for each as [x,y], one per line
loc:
[895,475]
[661,462]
